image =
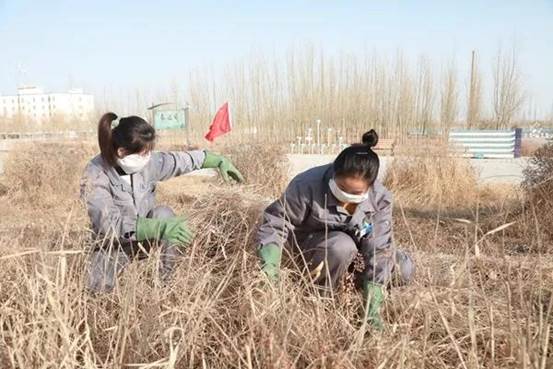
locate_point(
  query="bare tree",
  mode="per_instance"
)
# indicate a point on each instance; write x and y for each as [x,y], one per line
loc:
[449,98]
[425,95]
[508,95]
[474,93]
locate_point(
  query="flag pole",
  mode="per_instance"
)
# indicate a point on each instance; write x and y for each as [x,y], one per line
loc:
[230,116]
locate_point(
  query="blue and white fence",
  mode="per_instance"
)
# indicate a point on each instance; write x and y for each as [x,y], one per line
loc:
[489,144]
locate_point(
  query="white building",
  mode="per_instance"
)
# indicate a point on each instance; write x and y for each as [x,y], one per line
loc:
[33,105]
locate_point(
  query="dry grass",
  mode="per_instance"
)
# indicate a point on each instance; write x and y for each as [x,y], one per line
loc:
[432,179]
[42,175]
[440,204]
[538,186]
[265,167]
[462,311]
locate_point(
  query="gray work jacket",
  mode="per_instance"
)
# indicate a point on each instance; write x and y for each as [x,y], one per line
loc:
[308,206]
[114,205]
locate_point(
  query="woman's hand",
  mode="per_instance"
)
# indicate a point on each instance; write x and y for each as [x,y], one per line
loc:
[175,230]
[270,256]
[227,170]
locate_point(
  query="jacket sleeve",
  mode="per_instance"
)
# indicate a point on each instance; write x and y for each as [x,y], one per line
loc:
[377,248]
[175,163]
[284,215]
[106,218]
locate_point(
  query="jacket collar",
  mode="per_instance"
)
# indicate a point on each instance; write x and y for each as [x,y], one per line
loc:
[115,178]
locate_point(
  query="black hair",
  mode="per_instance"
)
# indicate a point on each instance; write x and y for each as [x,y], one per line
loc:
[133,134]
[359,160]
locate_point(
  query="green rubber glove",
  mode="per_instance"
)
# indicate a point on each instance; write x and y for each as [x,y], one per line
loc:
[270,256]
[175,230]
[373,296]
[225,167]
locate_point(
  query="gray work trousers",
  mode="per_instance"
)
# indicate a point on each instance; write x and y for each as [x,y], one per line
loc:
[107,261]
[338,250]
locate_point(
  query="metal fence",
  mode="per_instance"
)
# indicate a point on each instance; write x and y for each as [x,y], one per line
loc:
[45,136]
[489,144]
[9,140]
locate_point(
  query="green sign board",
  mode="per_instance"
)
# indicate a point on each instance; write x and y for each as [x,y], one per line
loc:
[169,119]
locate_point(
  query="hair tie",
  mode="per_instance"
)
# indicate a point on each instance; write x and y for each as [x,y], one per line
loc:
[115,123]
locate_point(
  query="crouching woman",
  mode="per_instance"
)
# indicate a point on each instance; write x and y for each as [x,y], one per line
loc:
[119,189]
[330,213]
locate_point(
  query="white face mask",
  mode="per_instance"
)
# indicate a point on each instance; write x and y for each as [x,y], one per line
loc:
[344,196]
[133,163]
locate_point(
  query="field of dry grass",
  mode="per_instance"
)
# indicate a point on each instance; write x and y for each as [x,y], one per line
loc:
[482,297]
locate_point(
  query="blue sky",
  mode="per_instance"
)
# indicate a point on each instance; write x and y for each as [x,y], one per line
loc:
[128,44]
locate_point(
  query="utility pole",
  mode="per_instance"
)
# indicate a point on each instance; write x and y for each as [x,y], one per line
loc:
[472,94]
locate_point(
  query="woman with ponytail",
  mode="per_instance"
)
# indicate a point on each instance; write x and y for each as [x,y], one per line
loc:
[119,188]
[332,212]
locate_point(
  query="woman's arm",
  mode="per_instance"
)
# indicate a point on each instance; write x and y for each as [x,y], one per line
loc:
[378,256]
[279,219]
[175,163]
[284,215]
[377,247]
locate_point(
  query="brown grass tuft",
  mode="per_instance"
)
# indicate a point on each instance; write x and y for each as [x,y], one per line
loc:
[538,186]
[226,220]
[42,175]
[265,167]
[432,180]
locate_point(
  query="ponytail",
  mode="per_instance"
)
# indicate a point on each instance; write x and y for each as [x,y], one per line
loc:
[105,138]
[359,160]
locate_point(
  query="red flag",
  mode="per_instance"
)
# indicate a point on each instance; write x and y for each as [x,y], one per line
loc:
[220,124]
